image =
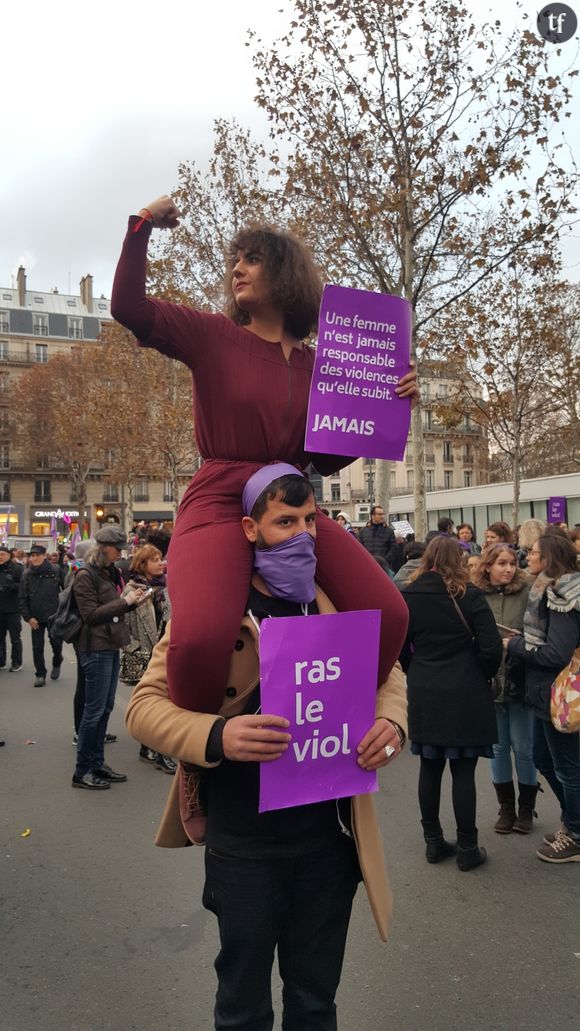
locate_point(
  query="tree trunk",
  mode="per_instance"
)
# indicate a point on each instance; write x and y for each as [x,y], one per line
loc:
[129,506]
[516,472]
[420,517]
[382,491]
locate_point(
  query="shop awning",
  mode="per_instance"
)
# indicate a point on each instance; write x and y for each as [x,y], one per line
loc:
[147,516]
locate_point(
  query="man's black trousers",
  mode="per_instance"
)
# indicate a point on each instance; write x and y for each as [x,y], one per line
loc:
[11,623]
[302,906]
[38,650]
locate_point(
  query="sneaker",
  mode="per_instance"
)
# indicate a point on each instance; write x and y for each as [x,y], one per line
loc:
[75,738]
[110,738]
[147,755]
[15,668]
[549,839]
[39,681]
[564,849]
[55,673]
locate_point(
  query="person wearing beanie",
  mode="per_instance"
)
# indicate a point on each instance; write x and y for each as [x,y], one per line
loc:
[10,619]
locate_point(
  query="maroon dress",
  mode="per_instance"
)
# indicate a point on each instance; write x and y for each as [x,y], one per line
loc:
[249,408]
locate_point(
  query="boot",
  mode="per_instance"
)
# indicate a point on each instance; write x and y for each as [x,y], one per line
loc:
[437,848]
[506,797]
[526,801]
[469,855]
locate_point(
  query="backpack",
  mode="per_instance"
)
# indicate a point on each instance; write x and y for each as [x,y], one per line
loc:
[66,623]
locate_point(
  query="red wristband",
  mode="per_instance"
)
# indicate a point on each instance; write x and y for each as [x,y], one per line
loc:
[146,218]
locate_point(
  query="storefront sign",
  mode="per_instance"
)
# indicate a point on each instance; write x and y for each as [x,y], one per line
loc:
[57,513]
[363,350]
[320,672]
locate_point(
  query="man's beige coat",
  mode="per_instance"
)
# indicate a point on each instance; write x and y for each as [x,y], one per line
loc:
[154,720]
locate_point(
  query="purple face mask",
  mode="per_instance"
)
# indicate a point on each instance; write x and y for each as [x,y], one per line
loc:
[288,568]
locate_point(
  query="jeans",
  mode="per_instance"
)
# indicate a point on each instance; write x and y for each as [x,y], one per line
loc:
[101,671]
[11,623]
[79,697]
[515,728]
[557,757]
[38,650]
[300,905]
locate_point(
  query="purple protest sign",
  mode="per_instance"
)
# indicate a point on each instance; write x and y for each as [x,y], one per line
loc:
[556,510]
[363,349]
[320,672]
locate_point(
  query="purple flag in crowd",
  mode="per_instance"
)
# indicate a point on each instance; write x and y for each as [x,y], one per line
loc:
[556,510]
[363,350]
[320,672]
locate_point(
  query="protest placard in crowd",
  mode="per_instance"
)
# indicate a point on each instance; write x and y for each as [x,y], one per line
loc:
[320,672]
[363,351]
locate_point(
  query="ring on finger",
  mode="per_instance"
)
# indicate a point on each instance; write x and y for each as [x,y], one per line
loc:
[390,751]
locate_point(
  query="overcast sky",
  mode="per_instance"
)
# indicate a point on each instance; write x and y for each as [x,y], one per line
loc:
[99,104]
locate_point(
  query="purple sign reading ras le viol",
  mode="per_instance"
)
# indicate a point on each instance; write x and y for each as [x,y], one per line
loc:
[363,350]
[557,510]
[320,672]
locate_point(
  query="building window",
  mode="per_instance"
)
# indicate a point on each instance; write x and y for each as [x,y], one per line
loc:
[335,492]
[447,451]
[4,456]
[467,477]
[3,382]
[4,420]
[142,490]
[168,490]
[410,478]
[3,350]
[467,455]
[4,322]
[39,324]
[4,490]
[42,490]
[427,417]
[468,423]
[448,479]
[429,473]
[393,479]
[369,461]
[41,353]
[110,492]
[75,328]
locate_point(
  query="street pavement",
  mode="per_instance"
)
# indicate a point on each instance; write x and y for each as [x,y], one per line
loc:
[99,929]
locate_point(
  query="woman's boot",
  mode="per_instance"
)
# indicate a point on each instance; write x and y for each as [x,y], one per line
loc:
[526,801]
[469,855]
[506,797]
[437,848]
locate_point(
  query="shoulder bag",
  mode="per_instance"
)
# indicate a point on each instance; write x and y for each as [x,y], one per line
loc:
[565,697]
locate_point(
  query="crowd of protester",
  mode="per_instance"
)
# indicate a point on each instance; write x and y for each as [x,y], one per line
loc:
[513,622]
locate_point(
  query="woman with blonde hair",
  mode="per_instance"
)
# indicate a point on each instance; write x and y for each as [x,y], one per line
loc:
[528,533]
[146,626]
[455,651]
[506,589]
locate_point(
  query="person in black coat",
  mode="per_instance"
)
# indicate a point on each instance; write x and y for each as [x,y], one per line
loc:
[10,621]
[38,597]
[378,538]
[455,649]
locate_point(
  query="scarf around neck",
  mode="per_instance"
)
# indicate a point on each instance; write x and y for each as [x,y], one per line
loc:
[562,595]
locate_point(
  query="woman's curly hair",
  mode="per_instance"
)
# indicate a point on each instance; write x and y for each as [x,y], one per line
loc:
[290,269]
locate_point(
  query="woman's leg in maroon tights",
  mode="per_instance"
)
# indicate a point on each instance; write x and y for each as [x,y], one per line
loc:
[209,571]
[353,580]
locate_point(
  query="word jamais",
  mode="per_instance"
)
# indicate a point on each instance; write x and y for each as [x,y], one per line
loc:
[317,672]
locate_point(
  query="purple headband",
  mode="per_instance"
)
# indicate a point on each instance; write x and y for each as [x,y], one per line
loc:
[260,480]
